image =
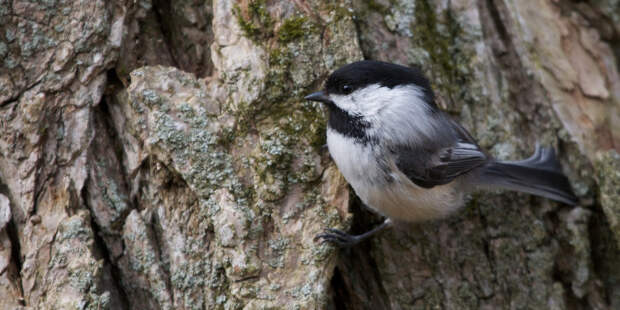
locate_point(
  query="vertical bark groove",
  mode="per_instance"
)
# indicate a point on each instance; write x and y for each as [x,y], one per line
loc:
[115,272]
[11,230]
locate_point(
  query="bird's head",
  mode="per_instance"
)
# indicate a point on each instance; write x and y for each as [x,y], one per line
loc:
[367,96]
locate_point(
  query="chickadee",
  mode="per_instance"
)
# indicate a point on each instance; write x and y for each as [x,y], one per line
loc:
[408,160]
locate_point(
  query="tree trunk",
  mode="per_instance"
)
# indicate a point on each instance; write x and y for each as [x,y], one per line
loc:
[159,155]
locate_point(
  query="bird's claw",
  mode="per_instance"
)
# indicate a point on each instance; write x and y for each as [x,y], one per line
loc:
[338,237]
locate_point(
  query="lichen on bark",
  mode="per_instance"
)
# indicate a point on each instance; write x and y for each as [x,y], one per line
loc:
[159,154]
[234,140]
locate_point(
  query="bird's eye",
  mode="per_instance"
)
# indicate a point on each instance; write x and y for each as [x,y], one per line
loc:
[346,89]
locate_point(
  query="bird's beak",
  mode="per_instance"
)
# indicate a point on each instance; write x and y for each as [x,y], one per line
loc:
[319,96]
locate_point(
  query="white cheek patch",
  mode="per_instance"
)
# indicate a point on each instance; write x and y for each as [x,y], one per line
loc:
[399,114]
[364,102]
[347,103]
[373,98]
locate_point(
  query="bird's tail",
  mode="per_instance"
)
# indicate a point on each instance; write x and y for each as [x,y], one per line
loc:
[540,175]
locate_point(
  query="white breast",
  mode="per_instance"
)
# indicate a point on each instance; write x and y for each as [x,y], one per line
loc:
[355,161]
[389,192]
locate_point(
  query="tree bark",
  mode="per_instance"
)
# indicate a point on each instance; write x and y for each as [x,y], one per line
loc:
[159,155]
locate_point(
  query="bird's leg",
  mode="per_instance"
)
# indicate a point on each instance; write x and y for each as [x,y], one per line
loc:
[344,240]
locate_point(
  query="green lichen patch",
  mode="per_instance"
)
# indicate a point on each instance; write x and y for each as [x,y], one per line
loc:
[443,51]
[293,28]
[608,172]
[263,147]
[375,6]
[72,254]
[254,20]
[278,161]
[113,197]
[272,161]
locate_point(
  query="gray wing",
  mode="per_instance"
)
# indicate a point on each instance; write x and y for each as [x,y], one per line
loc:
[440,165]
[432,169]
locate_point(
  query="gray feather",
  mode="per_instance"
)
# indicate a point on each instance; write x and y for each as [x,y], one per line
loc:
[443,167]
[540,175]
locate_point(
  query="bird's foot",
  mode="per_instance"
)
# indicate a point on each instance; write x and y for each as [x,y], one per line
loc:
[344,240]
[339,238]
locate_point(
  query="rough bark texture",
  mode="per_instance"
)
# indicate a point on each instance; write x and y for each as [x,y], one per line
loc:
[159,155]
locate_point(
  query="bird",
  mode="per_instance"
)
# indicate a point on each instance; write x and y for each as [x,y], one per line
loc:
[408,160]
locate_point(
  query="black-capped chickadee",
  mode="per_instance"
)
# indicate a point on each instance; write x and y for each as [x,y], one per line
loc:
[408,160]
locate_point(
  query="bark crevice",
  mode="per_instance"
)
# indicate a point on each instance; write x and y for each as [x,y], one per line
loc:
[113,267]
[161,9]
[11,230]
